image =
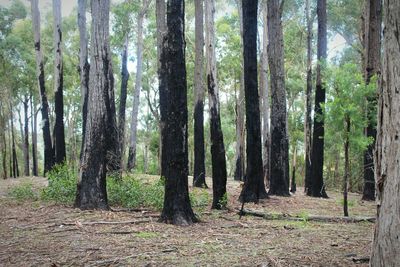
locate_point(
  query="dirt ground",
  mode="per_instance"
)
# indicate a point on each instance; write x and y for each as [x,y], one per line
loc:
[41,234]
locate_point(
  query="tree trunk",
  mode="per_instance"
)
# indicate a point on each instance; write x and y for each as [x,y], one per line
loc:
[346,166]
[307,123]
[15,169]
[317,154]
[174,115]
[239,174]
[386,244]
[372,56]
[264,93]
[4,145]
[123,96]
[279,180]
[254,188]
[48,148]
[91,189]
[218,159]
[26,137]
[199,175]
[138,86]
[34,113]
[59,135]
[293,187]
[84,66]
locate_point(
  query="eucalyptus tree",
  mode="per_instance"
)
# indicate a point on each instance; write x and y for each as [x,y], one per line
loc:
[386,244]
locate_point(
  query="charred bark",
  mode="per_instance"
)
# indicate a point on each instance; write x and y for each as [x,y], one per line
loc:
[317,154]
[91,188]
[346,167]
[254,188]
[173,105]
[279,180]
[26,137]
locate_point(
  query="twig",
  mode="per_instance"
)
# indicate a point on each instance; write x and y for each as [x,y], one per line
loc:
[101,222]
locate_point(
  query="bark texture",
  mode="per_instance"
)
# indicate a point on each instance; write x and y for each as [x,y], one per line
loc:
[138,86]
[199,175]
[174,115]
[254,188]
[48,147]
[386,244]
[34,113]
[308,122]
[91,189]
[372,56]
[317,154]
[59,135]
[240,159]
[218,159]
[346,166]
[26,137]
[279,180]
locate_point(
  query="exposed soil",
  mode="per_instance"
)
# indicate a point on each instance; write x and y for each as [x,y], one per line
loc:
[41,234]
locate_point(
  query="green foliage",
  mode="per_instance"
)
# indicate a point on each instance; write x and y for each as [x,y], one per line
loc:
[199,198]
[303,215]
[62,185]
[24,192]
[350,203]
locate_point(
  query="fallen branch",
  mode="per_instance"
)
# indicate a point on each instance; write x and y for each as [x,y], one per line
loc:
[314,218]
[78,223]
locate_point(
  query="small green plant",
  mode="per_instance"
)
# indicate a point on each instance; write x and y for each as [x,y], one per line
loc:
[304,215]
[224,200]
[350,203]
[199,198]
[62,185]
[23,192]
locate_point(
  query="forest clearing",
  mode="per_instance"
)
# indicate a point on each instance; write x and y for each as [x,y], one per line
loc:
[44,234]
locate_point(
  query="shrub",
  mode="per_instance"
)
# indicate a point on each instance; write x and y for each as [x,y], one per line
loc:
[62,185]
[23,192]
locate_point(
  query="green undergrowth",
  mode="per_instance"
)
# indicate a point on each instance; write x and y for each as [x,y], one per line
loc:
[131,191]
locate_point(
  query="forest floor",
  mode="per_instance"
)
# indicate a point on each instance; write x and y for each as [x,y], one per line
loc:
[41,234]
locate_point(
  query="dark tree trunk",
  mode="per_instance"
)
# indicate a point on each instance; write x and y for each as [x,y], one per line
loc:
[346,166]
[307,123]
[91,188]
[174,115]
[239,173]
[218,160]
[293,186]
[317,185]
[48,148]
[386,244]
[122,101]
[279,180]
[4,156]
[254,188]
[26,137]
[15,169]
[84,66]
[34,113]
[372,56]
[59,135]
[199,175]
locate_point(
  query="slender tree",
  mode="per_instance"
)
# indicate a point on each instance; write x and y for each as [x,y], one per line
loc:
[174,116]
[48,148]
[138,85]
[199,175]
[34,114]
[386,244]
[264,93]
[346,165]
[91,188]
[240,129]
[317,185]
[217,139]
[254,188]
[372,55]
[279,180]
[307,122]
[26,136]
[59,135]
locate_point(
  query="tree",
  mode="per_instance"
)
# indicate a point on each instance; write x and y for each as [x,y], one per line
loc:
[217,139]
[279,180]
[317,154]
[307,118]
[264,93]
[59,136]
[372,46]
[48,148]
[199,175]
[84,66]
[138,86]
[174,117]
[386,244]
[254,188]
[91,188]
